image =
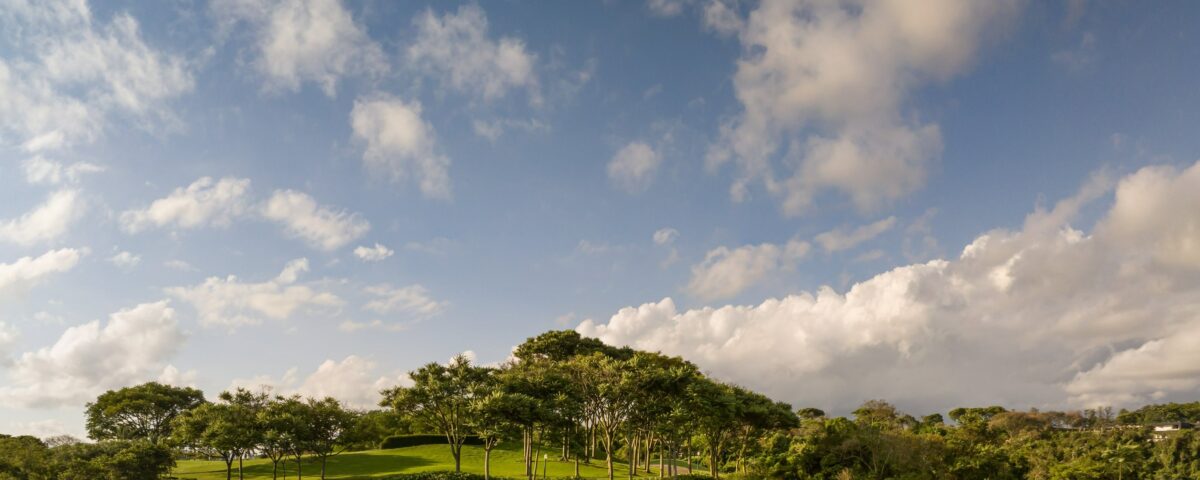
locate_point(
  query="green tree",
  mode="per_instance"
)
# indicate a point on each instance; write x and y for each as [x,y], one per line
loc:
[330,428]
[229,428]
[141,412]
[441,396]
[24,458]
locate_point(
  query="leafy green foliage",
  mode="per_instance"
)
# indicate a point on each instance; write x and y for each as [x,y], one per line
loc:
[143,412]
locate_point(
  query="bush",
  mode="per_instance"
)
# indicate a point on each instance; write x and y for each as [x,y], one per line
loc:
[436,475]
[401,441]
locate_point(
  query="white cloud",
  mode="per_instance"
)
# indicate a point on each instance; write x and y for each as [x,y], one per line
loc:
[400,144]
[354,380]
[727,272]
[320,226]
[301,41]
[665,8]
[633,167]
[840,239]
[373,254]
[665,236]
[203,203]
[456,49]
[47,221]
[125,259]
[1106,317]
[39,170]
[230,302]
[830,80]
[133,346]
[412,300]
[69,75]
[29,270]
[179,265]
[492,130]
[351,326]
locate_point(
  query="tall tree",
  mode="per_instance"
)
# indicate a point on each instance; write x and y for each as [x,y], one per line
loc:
[141,412]
[608,391]
[441,396]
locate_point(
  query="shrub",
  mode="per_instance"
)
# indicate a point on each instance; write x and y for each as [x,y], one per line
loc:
[401,441]
[436,475]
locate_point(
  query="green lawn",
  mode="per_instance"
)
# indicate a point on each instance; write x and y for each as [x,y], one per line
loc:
[506,462]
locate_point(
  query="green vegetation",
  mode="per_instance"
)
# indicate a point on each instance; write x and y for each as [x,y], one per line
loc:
[572,407]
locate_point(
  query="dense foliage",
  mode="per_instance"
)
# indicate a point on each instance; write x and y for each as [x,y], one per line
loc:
[577,400]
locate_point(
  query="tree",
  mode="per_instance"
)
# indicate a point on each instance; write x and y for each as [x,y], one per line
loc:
[112,460]
[276,422]
[141,412]
[441,396]
[329,428]
[288,431]
[229,428]
[492,414]
[23,458]
[607,390]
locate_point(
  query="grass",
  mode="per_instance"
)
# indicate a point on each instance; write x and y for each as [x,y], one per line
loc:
[506,462]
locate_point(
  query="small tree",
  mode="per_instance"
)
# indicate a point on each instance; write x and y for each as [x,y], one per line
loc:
[229,429]
[441,396]
[289,430]
[329,428]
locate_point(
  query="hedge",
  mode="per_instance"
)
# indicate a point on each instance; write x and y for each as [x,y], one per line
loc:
[401,441]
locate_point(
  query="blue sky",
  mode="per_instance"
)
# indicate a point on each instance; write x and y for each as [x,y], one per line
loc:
[828,201]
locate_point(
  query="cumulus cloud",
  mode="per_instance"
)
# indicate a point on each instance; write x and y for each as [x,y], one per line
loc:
[230,302]
[400,144]
[633,167]
[70,74]
[39,170]
[298,41]
[413,301]
[320,226]
[46,222]
[1044,316]
[354,380]
[30,270]
[829,80]
[726,272]
[842,239]
[373,254]
[456,49]
[206,202]
[134,345]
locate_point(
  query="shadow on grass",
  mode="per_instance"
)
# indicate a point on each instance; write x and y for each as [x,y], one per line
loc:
[344,466]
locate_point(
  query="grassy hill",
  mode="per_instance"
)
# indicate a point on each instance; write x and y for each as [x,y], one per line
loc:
[506,462]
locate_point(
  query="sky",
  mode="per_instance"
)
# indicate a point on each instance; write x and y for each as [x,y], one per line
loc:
[937,203]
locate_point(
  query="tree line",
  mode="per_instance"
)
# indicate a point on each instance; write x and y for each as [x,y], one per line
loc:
[581,401]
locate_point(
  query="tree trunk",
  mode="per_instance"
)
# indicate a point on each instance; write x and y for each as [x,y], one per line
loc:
[577,466]
[274,469]
[608,454]
[299,467]
[229,468]
[487,463]
[323,458]
[241,475]
[457,451]
[660,460]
